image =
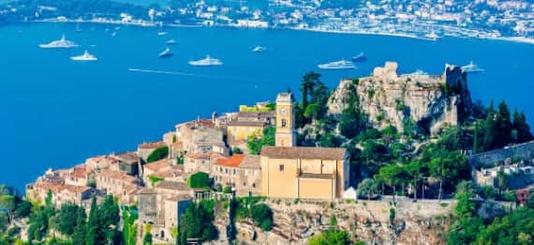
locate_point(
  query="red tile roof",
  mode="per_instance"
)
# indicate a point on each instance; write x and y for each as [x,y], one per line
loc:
[322,153]
[233,161]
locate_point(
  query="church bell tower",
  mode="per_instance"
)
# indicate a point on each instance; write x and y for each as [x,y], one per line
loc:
[285,121]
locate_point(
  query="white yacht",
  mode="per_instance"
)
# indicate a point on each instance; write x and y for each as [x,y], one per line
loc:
[360,57]
[86,56]
[162,33]
[61,43]
[208,61]
[259,49]
[471,67]
[338,65]
[171,42]
[166,53]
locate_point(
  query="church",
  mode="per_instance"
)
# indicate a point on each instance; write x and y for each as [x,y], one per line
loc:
[290,171]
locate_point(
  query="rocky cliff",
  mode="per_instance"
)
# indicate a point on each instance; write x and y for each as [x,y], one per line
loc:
[429,101]
[422,222]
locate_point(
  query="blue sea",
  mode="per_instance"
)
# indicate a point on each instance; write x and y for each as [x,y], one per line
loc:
[55,112]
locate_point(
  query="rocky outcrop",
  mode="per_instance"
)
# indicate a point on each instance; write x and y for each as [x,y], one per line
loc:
[429,101]
[414,223]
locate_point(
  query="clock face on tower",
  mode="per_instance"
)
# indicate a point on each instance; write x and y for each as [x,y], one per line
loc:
[283,111]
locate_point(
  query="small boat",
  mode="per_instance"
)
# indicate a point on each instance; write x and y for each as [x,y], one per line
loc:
[360,57]
[86,56]
[61,43]
[114,34]
[208,61]
[171,42]
[259,49]
[162,33]
[471,67]
[432,36]
[338,65]
[166,53]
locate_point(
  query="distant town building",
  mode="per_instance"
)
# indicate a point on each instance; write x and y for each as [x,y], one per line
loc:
[516,162]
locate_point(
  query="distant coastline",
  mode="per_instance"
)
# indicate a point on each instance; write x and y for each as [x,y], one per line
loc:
[145,23]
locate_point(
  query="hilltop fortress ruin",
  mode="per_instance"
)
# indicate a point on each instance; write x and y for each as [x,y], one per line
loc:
[430,101]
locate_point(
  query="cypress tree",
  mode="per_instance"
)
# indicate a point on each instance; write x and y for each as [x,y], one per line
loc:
[521,128]
[78,237]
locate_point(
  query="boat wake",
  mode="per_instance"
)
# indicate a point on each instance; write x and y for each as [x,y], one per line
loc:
[186,74]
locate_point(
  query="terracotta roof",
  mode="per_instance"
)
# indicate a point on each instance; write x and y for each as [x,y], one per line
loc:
[172,185]
[75,188]
[117,176]
[159,165]
[322,153]
[151,145]
[233,161]
[251,161]
[79,172]
[246,124]
[127,157]
[208,155]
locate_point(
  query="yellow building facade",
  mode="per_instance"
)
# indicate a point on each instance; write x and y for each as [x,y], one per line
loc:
[289,171]
[239,131]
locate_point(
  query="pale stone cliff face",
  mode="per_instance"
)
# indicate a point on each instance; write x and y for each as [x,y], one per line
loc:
[423,222]
[431,102]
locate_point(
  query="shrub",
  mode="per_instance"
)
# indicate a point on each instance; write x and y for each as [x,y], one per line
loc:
[199,180]
[158,154]
[262,216]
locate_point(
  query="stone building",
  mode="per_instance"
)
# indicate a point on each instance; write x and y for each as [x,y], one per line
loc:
[200,162]
[77,176]
[289,171]
[249,178]
[166,169]
[239,131]
[144,150]
[242,172]
[225,170]
[118,184]
[162,207]
[129,162]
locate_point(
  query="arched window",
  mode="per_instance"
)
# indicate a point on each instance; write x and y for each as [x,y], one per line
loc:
[284,123]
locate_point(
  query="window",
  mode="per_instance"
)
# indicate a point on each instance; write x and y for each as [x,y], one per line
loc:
[284,123]
[253,185]
[281,167]
[234,172]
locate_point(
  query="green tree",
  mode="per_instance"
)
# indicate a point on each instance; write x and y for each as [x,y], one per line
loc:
[521,128]
[147,237]
[66,218]
[368,188]
[331,237]
[129,232]
[78,236]
[199,180]
[503,126]
[255,144]
[197,222]
[262,216]
[158,154]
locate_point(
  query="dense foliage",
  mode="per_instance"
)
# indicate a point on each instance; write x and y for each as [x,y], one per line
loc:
[199,180]
[255,144]
[470,227]
[158,154]
[331,237]
[197,222]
